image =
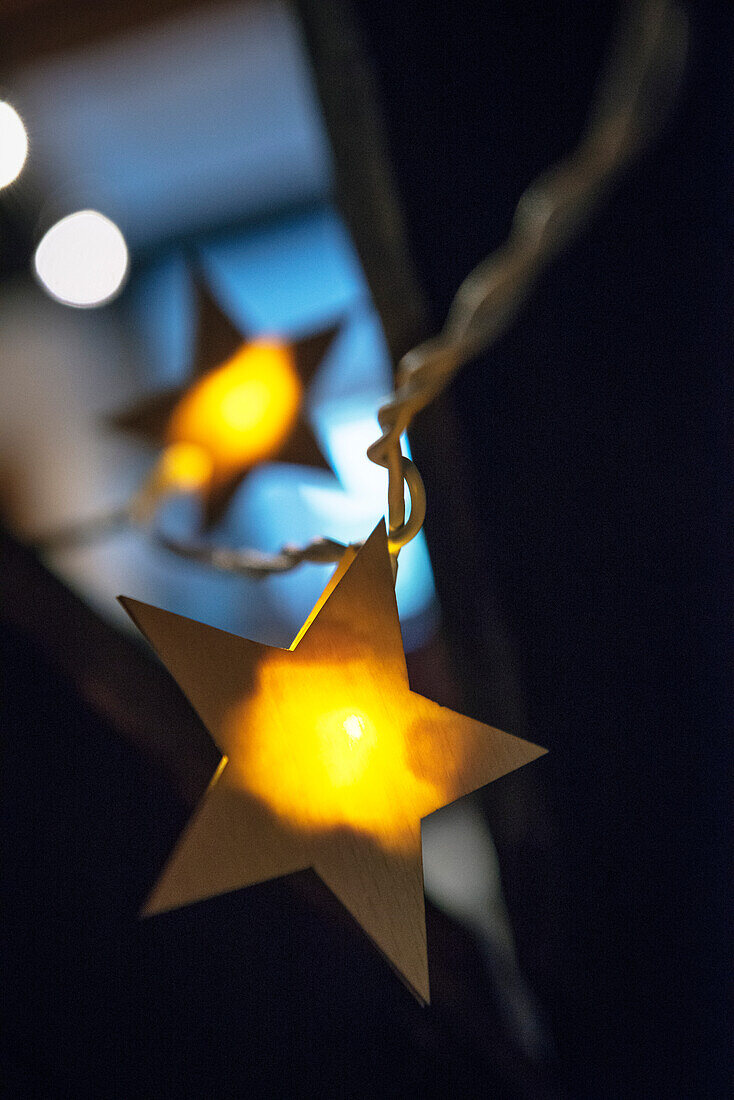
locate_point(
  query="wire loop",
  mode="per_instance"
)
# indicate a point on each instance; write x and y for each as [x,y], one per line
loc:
[400,536]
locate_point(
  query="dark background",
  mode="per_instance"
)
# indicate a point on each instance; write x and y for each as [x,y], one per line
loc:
[593,437]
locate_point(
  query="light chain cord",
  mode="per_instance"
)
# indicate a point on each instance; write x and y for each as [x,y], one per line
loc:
[632,98]
[636,88]
[641,78]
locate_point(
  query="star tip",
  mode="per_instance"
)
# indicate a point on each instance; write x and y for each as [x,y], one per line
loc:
[132,608]
[537,753]
[422,996]
[337,327]
[419,987]
[151,907]
[380,528]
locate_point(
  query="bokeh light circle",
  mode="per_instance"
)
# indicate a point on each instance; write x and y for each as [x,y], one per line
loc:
[82,260]
[13,144]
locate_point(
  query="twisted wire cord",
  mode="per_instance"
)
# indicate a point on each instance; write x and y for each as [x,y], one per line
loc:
[637,86]
[254,563]
[634,93]
[632,97]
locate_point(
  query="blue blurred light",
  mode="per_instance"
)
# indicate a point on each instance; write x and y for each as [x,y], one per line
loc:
[290,277]
[296,272]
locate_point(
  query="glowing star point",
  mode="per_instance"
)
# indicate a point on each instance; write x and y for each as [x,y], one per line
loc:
[329,759]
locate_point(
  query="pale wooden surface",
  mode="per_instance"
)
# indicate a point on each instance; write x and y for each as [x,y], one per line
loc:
[295,787]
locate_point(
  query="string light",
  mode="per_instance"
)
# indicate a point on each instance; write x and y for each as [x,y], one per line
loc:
[646,66]
[632,99]
[329,759]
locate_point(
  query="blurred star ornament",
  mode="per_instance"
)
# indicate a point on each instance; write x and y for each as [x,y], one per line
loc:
[243,406]
[329,759]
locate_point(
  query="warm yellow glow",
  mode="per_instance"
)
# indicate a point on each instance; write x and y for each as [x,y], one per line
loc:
[241,412]
[345,746]
[246,404]
[184,466]
[181,468]
[332,751]
[13,144]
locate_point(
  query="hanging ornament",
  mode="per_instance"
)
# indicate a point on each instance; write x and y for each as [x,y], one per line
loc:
[329,759]
[244,405]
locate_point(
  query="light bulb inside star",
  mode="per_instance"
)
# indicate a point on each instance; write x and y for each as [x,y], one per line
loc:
[348,764]
[354,726]
[241,412]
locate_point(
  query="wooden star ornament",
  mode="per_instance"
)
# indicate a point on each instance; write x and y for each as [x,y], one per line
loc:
[243,406]
[329,759]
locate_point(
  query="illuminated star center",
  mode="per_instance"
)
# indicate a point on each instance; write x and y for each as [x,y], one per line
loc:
[346,744]
[241,412]
[339,765]
[354,726]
